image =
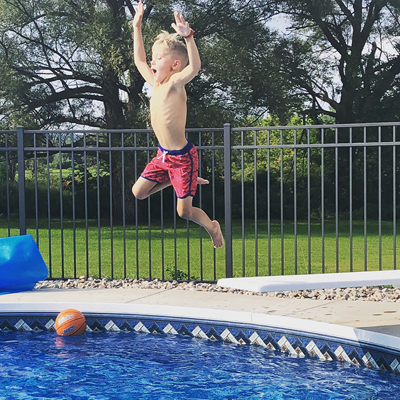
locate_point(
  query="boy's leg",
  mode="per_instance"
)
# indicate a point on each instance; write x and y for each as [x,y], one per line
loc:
[143,188]
[186,210]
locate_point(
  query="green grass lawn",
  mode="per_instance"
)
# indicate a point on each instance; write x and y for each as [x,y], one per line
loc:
[133,257]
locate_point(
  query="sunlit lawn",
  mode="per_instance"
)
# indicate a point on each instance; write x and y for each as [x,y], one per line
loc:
[130,254]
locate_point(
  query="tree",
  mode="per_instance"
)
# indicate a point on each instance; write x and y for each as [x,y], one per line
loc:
[342,59]
[71,63]
[343,56]
[65,62]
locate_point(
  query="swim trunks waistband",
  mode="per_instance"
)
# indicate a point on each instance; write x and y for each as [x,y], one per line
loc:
[185,150]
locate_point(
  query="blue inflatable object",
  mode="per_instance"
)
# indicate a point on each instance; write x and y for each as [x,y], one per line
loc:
[21,264]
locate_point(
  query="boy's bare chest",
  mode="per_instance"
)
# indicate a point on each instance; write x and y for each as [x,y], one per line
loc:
[166,100]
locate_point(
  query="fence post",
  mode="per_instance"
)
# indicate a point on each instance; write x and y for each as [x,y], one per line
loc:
[228,200]
[21,180]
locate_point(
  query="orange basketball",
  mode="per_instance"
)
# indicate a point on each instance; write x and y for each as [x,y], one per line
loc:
[70,322]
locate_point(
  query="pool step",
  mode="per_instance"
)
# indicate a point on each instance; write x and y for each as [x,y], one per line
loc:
[284,283]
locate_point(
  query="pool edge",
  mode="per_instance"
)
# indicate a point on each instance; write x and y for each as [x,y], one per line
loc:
[323,329]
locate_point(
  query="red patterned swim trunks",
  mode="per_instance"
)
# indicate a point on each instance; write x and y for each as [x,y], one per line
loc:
[181,167]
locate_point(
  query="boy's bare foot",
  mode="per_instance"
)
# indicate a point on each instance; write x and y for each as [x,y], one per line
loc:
[201,181]
[216,235]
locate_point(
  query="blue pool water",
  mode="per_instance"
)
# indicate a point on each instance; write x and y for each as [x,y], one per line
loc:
[144,366]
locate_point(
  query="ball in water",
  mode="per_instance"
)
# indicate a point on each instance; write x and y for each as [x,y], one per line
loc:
[70,323]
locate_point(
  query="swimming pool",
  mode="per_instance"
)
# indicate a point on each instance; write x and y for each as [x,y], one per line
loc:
[297,342]
[128,365]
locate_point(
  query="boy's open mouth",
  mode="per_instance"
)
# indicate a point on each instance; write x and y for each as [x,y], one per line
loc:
[153,71]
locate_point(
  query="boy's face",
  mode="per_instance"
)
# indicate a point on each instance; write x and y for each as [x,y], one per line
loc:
[163,65]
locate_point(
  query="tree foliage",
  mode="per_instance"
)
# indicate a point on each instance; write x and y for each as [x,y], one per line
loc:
[344,54]
[71,63]
[63,63]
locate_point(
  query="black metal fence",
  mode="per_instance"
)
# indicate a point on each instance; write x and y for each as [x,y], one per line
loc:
[290,200]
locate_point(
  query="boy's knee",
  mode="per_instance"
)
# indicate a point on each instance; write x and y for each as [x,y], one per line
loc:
[184,212]
[139,194]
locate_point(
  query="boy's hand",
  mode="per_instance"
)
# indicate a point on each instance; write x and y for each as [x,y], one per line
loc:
[181,26]
[139,11]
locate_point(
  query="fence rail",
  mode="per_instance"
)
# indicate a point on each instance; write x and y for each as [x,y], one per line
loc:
[290,200]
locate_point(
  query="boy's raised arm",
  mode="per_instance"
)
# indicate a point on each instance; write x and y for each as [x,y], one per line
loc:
[139,55]
[183,29]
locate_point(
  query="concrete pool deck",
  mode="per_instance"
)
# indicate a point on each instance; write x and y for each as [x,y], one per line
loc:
[381,317]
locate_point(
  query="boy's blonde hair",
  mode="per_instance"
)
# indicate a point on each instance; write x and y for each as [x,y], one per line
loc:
[174,45]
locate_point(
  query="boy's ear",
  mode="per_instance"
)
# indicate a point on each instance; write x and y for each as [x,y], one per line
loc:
[176,66]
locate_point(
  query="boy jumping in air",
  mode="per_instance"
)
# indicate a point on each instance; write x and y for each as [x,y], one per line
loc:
[173,65]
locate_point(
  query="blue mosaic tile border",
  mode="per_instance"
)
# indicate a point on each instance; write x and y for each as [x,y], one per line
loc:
[291,343]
